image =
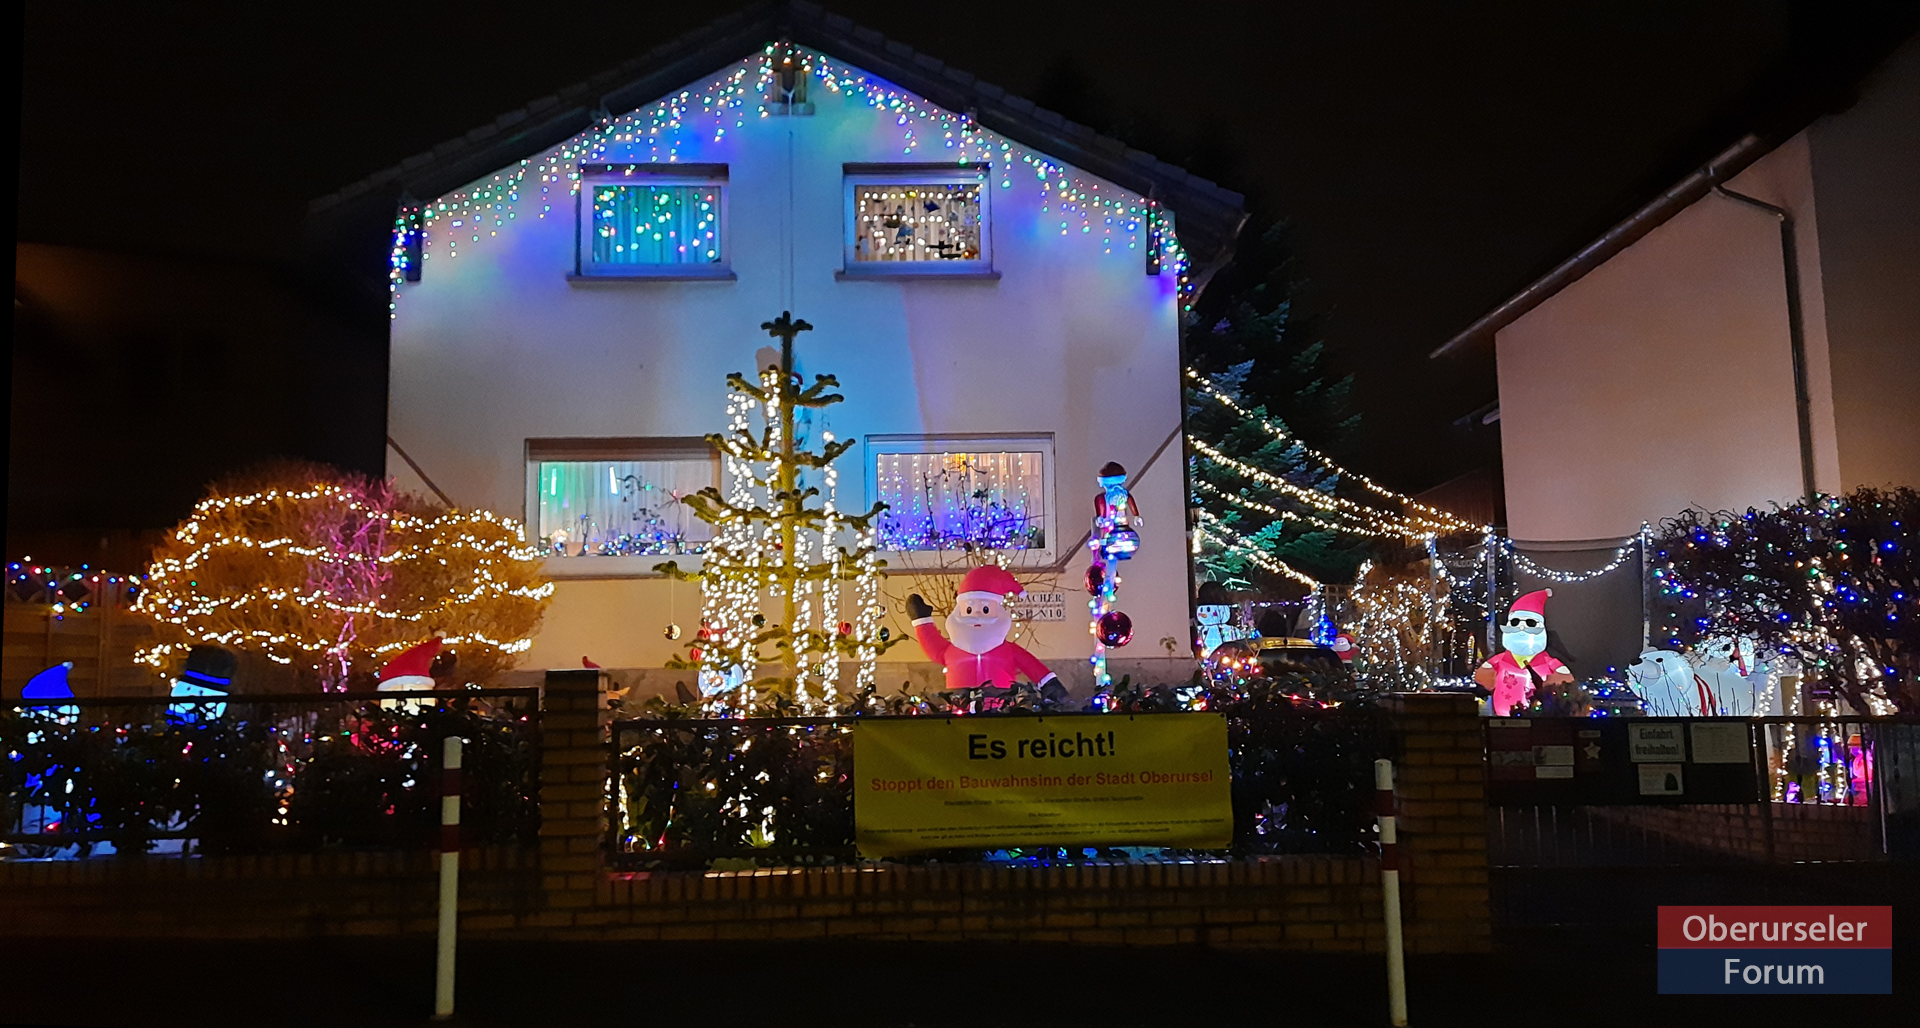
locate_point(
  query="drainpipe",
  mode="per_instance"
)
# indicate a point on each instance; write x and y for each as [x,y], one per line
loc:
[1796,327]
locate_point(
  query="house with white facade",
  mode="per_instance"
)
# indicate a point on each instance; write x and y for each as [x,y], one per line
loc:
[998,291]
[1751,335]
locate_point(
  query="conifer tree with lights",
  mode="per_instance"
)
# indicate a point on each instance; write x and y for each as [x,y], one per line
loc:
[779,535]
[1831,583]
[1249,341]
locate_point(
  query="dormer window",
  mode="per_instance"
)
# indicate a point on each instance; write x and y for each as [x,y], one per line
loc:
[917,219]
[653,221]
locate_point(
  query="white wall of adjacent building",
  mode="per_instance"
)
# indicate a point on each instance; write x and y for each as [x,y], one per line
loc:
[1072,340]
[1663,379]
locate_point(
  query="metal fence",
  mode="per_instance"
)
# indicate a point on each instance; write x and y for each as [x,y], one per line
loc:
[254,773]
[778,791]
[1834,789]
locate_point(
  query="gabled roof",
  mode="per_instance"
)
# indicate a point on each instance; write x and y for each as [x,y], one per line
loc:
[1208,216]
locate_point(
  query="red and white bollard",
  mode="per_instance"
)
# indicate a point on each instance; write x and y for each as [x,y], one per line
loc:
[1390,892]
[449,877]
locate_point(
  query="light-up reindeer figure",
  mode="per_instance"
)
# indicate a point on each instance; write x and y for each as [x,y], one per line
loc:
[1113,540]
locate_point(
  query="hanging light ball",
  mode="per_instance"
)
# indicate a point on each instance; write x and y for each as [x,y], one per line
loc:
[1116,628]
[1096,578]
[671,632]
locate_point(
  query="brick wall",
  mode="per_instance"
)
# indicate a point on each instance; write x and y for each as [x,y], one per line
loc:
[1441,796]
[1801,831]
[274,896]
[564,890]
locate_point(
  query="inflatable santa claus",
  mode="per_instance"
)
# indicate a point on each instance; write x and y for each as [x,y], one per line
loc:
[975,651]
[1524,664]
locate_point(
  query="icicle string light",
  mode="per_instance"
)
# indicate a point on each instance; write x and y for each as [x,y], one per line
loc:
[664,132]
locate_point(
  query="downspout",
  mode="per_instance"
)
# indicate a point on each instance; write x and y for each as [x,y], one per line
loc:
[1796,327]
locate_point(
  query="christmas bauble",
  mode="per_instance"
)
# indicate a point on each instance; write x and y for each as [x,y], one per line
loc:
[1121,544]
[672,632]
[885,633]
[759,620]
[846,628]
[1116,628]
[1096,578]
[696,653]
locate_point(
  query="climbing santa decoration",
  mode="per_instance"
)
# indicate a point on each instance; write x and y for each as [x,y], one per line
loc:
[1113,540]
[1524,664]
[975,651]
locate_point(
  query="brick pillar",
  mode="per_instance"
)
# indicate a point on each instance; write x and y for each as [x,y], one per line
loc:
[573,786]
[1441,795]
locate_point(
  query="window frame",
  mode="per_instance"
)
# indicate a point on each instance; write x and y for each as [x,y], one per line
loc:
[654,174]
[607,448]
[879,445]
[854,176]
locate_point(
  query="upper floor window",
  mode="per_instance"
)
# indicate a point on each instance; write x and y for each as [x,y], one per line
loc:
[652,219]
[914,219]
[961,493]
[617,497]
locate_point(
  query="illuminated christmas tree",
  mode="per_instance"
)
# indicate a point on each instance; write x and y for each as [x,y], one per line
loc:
[779,535]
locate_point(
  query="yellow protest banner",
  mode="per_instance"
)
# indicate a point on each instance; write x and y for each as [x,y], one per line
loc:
[1077,780]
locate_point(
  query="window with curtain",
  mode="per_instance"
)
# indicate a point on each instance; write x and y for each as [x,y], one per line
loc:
[951,499]
[653,224]
[617,501]
[652,219]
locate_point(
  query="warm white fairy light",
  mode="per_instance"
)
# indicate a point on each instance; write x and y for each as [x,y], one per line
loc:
[1253,554]
[1415,526]
[493,551]
[1443,519]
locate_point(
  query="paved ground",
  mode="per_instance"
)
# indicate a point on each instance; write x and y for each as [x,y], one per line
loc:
[386,982]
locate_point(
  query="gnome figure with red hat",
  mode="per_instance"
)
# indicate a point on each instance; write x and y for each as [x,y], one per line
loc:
[976,652]
[1524,663]
[412,669]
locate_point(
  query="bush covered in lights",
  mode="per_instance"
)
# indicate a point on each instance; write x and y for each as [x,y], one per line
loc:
[332,574]
[255,778]
[1832,584]
[692,791]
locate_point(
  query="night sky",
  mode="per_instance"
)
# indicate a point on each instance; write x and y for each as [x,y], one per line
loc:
[1432,159]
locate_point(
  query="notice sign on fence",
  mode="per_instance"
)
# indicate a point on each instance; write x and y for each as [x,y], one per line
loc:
[1776,949]
[989,782]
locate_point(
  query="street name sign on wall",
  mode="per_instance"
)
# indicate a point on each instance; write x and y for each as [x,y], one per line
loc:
[928,783]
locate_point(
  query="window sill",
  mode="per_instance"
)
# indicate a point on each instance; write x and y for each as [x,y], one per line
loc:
[897,273]
[689,274]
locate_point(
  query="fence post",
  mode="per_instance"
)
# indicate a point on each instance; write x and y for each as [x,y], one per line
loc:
[449,877]
[1390,892]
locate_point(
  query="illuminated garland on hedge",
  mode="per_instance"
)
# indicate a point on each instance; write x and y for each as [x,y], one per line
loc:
[670,125]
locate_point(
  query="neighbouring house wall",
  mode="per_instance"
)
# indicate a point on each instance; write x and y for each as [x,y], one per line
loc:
[1866,167]
[1663,379]
[1074,339]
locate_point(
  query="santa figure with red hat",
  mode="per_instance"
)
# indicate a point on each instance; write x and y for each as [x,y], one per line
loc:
[1524,664]
[976,652]
[412,669]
